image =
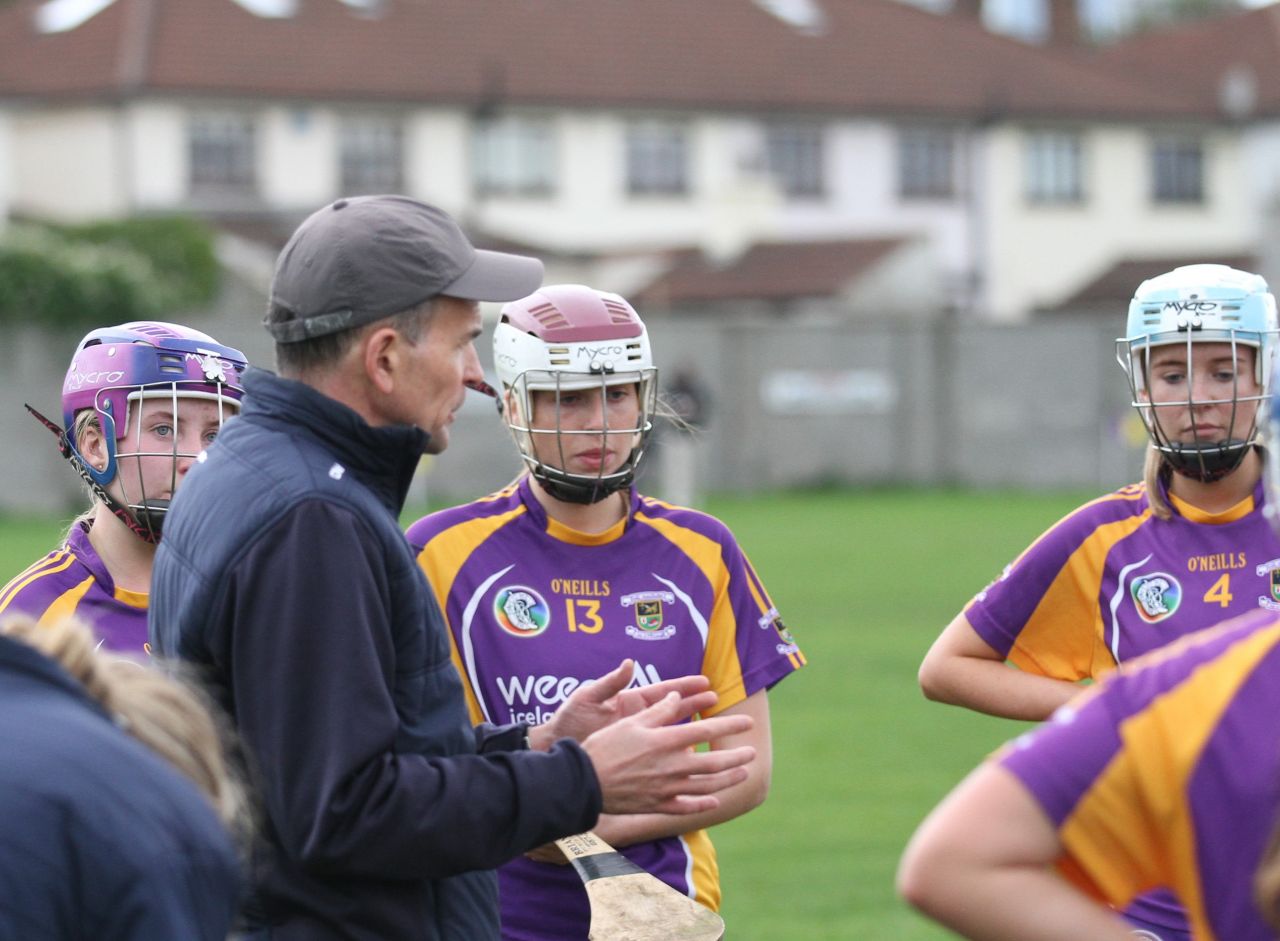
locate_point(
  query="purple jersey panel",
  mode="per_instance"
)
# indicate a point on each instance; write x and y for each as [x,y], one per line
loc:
[74,580]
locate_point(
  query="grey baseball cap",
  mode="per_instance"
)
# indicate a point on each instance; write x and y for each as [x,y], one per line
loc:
[367,257]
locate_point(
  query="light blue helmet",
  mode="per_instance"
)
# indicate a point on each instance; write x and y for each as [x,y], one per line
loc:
[1200,304]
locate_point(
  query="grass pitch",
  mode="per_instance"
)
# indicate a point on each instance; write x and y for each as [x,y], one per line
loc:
[865,580]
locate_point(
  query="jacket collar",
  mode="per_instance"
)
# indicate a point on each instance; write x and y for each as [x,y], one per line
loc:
[384,459]
[25,661]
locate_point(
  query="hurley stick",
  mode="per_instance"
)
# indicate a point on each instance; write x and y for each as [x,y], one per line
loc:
[629,904]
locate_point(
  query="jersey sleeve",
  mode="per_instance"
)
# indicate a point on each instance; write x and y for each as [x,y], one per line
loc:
[1079,770]
[53,585]
[749,647]
[1043,613]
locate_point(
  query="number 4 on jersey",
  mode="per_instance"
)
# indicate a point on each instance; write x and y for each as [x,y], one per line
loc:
[1220,591]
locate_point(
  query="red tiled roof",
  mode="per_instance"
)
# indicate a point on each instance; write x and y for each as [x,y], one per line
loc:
[875,56]
[1194,57]
[1115,286]
[767,271]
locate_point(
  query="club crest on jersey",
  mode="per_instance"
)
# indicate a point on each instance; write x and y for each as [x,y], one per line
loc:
[647,606]
[1155,596]
[1271,570]
[786,643]
[521,611]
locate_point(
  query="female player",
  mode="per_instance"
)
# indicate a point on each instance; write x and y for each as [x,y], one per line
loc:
[139,403]
[1131,571]
[569,570]
[1165,774]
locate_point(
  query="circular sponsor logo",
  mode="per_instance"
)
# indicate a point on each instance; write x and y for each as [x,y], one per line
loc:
[521,611]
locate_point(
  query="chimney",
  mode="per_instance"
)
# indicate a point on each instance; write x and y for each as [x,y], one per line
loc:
[1064,23]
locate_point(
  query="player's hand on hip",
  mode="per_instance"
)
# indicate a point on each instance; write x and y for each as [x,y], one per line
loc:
[646,764]
[605,700]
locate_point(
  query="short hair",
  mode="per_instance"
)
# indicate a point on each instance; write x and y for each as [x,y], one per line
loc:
[322,352]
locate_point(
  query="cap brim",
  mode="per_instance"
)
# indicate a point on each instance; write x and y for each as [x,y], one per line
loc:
[497,276]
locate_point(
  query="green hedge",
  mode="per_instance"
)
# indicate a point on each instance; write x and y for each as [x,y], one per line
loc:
[105,272]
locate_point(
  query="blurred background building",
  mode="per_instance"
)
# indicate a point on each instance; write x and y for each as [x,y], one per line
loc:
[894,239]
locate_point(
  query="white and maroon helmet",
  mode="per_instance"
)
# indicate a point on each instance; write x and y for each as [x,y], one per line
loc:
[571,338]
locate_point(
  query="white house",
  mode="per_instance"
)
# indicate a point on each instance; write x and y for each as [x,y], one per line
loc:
[614,133]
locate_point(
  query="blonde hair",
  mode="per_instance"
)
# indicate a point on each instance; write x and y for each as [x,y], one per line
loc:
[1155,472]
[85,419]
[169,716]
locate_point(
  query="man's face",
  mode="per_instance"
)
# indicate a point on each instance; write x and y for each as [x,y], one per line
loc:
[439,365]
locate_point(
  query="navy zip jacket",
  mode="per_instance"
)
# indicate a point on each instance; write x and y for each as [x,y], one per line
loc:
[283,574]
[100,839]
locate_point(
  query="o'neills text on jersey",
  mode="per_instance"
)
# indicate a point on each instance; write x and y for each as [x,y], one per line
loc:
[1218,562]
[582,587]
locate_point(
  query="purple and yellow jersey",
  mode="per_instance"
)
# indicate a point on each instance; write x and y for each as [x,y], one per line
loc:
[72,580]
[535,608]
[1169,774]
[1111,581]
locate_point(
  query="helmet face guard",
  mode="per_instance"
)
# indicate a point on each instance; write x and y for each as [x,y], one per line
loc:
[573,340]
[1271,466]
[549,469]
[1181,312]
[121,374]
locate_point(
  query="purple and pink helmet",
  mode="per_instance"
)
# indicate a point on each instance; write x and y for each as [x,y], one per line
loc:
[114,366]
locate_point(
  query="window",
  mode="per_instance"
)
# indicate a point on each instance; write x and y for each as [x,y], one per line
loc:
[927,163]
[1177,173]
[1054,167]
[370,156]
[795,153]
[657,159]
[515,156]
[221,151]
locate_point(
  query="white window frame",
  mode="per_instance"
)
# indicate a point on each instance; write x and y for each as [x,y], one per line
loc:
[795,152]
[927,162]
[1177,170]
[370,155]
[657,158]
[514,155]
[1054,167]
[222,149]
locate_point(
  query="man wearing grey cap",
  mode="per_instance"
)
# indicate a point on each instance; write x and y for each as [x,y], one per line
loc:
[284,577]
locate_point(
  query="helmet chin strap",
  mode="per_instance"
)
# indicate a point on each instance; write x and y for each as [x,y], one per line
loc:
[585,491]
[1208,463]
[144,521]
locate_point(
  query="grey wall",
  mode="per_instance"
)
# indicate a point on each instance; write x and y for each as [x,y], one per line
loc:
[1036,406]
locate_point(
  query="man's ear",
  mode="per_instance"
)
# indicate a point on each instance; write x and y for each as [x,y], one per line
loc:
[382,359]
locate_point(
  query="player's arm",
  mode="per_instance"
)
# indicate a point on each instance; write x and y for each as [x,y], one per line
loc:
[964,670]
[624,830]
[980,864]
